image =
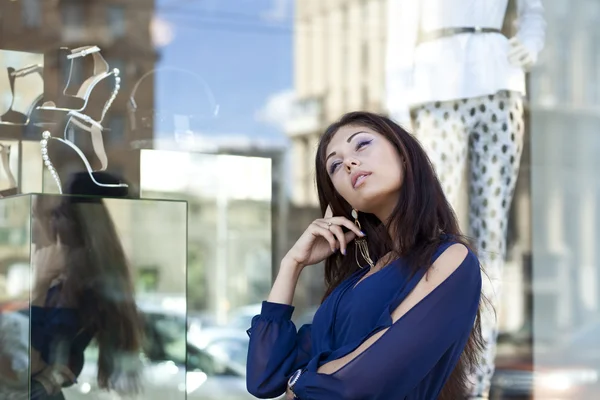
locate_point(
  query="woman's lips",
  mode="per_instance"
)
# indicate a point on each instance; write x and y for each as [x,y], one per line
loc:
[359,181]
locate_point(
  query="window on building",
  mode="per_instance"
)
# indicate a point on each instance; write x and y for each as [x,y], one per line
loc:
[365,97]
[32,13]
[592,93]
[73,19]
[73,14]
[345,51]
[365,72]
[565,78]
[115,20]
[115,132]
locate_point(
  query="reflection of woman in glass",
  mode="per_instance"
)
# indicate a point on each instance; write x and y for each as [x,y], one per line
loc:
[82,292]
[400,315]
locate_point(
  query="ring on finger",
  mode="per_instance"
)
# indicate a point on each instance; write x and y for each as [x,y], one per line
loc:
[328,225]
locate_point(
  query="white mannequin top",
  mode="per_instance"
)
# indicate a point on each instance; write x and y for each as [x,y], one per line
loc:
[460,66]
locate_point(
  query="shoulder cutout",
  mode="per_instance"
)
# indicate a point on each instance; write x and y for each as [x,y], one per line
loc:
[447,263]
[439,271]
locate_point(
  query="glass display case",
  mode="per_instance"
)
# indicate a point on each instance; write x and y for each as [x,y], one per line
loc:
[97,286]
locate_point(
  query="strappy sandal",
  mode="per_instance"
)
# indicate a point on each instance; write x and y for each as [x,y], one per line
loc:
[47,136]
[81,117]
[25,95]
[79,101]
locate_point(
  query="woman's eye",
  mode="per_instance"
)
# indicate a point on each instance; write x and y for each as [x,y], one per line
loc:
[333,167]
[362,144]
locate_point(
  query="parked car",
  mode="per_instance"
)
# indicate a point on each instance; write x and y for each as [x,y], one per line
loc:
[568,371]
[241,317]
[230,345]
[215,371]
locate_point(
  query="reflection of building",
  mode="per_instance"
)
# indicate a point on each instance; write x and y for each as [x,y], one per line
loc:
[14,248]
[236,219]
[339,67]
[339,58]
[120,28]
[565,113]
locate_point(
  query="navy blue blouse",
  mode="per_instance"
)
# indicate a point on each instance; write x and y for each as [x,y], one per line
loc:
[412,360]
[58,334]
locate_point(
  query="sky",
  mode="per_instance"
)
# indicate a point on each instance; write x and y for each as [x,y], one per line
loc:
[241,49]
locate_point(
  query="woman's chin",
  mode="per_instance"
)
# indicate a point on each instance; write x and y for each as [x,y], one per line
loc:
[366,202]
[373,201]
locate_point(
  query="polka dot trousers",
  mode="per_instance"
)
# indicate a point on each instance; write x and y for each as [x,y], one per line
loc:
[485,135]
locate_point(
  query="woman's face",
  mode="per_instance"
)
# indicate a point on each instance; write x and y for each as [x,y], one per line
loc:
[366,170]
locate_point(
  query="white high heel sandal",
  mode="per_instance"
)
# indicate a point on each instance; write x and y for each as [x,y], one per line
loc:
[46,137]
[27,87]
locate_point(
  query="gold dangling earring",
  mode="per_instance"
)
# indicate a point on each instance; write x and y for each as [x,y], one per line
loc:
[361,244]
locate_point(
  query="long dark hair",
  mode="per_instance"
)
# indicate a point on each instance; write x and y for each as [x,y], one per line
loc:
[421,219]
[97,279]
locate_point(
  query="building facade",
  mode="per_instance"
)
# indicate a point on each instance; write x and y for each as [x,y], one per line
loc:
[338,67]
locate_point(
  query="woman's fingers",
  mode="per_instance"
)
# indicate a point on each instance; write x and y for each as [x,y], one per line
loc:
[338,233]
[342,239]
[343,221]
[66,373]
[326,234]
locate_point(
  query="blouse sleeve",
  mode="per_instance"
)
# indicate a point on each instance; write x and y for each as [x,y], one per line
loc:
[275,350]
[532,25]
[401,358]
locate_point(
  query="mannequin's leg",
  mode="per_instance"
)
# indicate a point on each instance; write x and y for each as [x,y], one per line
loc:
[442,128]
[495,147]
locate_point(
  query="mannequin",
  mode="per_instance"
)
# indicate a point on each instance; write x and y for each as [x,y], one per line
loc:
[458,84]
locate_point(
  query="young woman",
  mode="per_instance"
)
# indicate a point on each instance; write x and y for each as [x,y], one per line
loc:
[399,319]
[82,292]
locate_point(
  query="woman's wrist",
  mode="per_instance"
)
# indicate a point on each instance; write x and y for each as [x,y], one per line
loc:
[293,380]
[284,286]
[291,265]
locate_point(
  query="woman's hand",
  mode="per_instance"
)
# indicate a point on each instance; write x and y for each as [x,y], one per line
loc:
[321,239]
[289,395]
[53,377]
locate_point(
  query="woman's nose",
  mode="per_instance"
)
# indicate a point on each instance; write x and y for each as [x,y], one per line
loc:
[351,163]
